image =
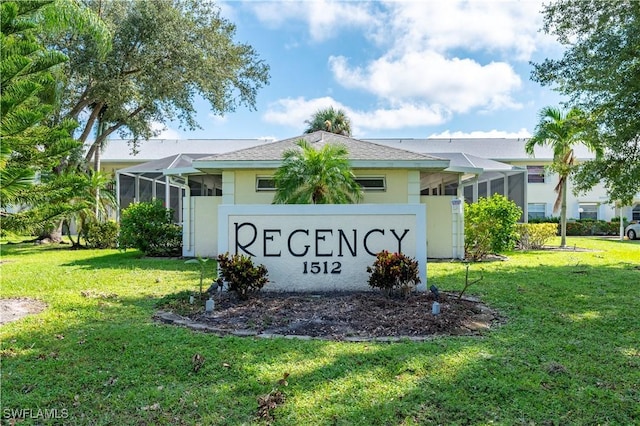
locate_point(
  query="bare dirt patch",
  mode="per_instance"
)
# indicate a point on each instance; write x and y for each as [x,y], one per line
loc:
[15,309]
[344,315]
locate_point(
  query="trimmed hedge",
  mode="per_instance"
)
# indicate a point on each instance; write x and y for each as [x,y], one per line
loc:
[584,227]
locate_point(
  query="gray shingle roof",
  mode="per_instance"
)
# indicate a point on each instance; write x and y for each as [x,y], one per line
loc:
[499,149]
[358,149]
[153,149]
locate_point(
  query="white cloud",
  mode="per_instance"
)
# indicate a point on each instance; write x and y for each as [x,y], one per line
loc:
[407,115]
[440,58]
[323,18]
[522,133]
[164,132]
[455,84]
[293,112]
[483,25]
[477,25]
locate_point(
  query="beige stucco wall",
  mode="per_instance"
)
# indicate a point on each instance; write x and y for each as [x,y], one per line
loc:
[245,187]
[445,230]
[202,240]
[397,191]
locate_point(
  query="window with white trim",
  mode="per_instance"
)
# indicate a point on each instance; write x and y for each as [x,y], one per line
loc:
[535,174]
[536,210]
[588,211]
[265,183]
[372,183]
[635,213]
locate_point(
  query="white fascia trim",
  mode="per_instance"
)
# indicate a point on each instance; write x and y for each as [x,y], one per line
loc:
[466,170]
[400,164]
[178,171]
[356,164]
[237,164]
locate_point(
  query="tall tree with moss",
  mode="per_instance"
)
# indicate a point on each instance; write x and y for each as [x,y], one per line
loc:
[562,131]
[330,120]
[316,176]
[600,74]
[166,54]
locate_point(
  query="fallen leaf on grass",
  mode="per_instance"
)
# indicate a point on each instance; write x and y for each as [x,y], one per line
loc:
[267,403]
[59,336]
[283,381]
[197,361]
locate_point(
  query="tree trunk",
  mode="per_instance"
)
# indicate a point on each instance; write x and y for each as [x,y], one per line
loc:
[563,215]
[52,236]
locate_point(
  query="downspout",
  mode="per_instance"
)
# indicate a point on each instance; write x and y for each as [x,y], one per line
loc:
[117,196]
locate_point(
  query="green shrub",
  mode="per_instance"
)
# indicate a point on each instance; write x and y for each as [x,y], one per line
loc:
[535,235]
[393,272]
[241,274]
[101,235]
[490,226]
[552,219]
[587,227]
[149,227]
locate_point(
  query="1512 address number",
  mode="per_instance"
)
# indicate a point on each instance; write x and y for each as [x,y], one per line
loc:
[321,267]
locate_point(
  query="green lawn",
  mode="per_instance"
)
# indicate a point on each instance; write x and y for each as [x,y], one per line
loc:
[569,352]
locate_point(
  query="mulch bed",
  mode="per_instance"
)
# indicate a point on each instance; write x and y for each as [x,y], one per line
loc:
[347,314]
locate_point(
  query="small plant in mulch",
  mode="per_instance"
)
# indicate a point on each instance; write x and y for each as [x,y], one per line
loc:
[201,262]
[468,283]
[242,276]
[394,273]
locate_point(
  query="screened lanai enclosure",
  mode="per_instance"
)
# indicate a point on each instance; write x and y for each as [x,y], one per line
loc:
[169,179]
[149,181]
[490,177]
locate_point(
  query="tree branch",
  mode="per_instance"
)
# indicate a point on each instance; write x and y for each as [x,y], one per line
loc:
[92,119]
[105,134]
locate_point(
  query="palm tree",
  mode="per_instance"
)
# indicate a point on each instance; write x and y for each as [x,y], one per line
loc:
[562,131]
[310,176]
[330,120]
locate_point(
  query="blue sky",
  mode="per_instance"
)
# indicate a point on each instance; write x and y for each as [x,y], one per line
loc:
[434,68]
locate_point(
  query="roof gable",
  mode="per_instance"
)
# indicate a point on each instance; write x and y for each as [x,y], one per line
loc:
[358,149]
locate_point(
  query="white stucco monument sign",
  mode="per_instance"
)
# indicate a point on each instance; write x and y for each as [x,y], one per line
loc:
[322,247]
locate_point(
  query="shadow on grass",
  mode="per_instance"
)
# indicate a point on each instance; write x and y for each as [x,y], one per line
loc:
[568,354]
[134,259]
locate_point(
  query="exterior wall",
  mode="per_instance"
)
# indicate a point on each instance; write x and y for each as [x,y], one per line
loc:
[112,167]
[544,193]
[445,229]
[245,187]
[397,187]
[202,238]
